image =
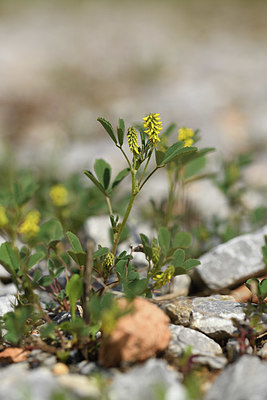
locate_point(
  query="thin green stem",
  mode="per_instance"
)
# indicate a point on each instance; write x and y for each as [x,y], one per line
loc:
[151,173]
[144,170]
[126,215]
[109,205]
[125,156]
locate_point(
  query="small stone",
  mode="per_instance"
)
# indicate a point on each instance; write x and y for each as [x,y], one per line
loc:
[205,350]
[243,380]
[60,369]
[80,386]
[137,336]
[232,262]
[50,361]
[211,315]
[263,351]
[6,303]
[152,380]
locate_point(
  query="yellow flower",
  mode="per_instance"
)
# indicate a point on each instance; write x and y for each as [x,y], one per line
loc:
[164,277]
[152,124]
[186,135]
[3,217]
[59,195]
[30,225]
[133,140]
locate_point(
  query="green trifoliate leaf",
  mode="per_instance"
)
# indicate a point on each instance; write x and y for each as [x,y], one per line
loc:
[74,242]
[159,157]
[191,263]
[50,232]
[182,239]
[178,257]
[164,238]
[108,127]
[34,259]
[121,131]
[95,181]
[103,172]
[121,175]
[9,258]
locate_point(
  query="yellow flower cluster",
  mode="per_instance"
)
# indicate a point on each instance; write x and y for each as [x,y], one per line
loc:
[164,277]
[59,195]
[3,217]
[109,260]
[133,140]
[152,125]
[30,225]
[186,135]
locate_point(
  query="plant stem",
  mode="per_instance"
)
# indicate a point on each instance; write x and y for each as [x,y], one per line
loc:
[126,215]
[144,170]
[109,205]
[127,159]
[151,173]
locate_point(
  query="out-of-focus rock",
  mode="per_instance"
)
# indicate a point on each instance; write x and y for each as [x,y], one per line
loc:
[204,349]
[148,382]
[232,262]
[243,380]
[137,336]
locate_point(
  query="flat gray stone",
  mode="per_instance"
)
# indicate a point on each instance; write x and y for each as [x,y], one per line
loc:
[150,381]
[211,315]
[206,350]
[18,382]
[243,380]
[6,302]
[232,262]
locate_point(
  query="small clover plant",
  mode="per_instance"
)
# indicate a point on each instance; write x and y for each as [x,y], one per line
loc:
[35,240]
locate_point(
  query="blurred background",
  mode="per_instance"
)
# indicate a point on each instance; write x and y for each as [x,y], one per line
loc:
[199,63]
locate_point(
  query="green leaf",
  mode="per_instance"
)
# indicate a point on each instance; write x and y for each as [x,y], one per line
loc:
[9,258]
[164,237]
[146,245]
[78,257]
[171,152]
[121,175]
[264,253]
[74,242]
[126,273]
[45,281]
[103,172]
[191,263]
[169,130]
[95,181]
[194,166]
[178,257]
[121,131]
[108,127]
[263,287]
[102,251]
[180,271]
[135,288]
[182,239]
[74,290]
[35,258]
[159,156]
[36,276]
[51,231]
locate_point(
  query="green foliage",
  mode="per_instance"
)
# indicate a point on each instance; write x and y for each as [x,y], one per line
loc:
[40,219]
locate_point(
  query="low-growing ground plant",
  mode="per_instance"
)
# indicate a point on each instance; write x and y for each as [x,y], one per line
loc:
[43,252]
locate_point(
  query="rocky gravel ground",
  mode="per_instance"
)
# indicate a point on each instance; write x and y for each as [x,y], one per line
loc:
[228,354]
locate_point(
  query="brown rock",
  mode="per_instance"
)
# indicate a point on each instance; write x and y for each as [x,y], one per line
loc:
[13,355]
[137,336]
[242,294]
